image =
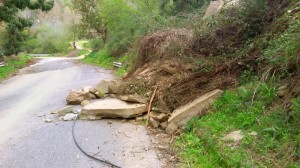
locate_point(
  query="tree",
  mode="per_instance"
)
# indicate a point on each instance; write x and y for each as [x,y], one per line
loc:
[182,5]
[15,25]
[91,20]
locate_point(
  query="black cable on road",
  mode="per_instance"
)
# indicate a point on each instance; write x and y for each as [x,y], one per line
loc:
[88,155]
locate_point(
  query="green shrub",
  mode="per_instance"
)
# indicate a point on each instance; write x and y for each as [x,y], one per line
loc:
[49,41]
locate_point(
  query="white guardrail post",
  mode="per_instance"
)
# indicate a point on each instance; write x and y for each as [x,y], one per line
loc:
[117,64]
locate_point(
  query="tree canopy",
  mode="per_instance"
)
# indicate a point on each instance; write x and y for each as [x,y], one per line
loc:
[15,25]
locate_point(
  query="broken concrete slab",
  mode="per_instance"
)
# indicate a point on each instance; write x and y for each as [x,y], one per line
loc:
[161,117]
[112,108]
[75,97]
[65,110]
[133,98]
[196,108]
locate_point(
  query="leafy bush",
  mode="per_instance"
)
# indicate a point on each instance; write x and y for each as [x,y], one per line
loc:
[49,40]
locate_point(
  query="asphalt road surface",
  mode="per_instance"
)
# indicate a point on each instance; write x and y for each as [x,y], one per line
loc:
[27,141]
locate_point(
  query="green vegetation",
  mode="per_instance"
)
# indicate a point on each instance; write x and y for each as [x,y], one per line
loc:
[247,109]
[49,40]
[12,65]
[16,26]
[253,107]
[83,52]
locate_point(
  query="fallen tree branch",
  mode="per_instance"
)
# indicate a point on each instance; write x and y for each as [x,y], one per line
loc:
[150,104]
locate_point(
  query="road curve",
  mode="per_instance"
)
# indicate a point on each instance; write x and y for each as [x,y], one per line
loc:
[27,141]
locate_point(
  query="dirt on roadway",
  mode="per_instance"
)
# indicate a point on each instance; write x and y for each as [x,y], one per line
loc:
[27,141]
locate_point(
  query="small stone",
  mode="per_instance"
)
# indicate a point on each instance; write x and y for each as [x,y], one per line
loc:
[164,125]
[70,116]
[235,136]
[48,120]
[171,128]
[154,123]
[282,90]
[54,112]
[85,102]
[253,133]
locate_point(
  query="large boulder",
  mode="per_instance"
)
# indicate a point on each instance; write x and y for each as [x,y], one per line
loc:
[196,108]
[133,98]
[112,108]
[75,97]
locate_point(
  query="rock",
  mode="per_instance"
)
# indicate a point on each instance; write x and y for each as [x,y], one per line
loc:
[171,128]
[64,111]
[253,133]
[77,96]
[93,96]
[169,69]
[134,98]
[112,108]
[235,136]
[54,112]
[139,119]
[160,110]
[145,116]
[154,123]
[282,90]
[48,120]
[164,125]
[113,88]
[87,88]
[196,108]
[102,87]
[70,116]
[214,7]
[85,102]
[161,117]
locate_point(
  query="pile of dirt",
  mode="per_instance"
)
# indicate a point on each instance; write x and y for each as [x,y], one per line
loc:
[179,78]
[185,65]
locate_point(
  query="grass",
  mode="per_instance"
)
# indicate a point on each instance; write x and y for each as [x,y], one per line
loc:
[103,59]
[276,144]
[83,52]
[13,65]
[252,107]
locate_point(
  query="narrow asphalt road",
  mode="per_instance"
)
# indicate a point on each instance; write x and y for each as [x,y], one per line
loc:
[27,141]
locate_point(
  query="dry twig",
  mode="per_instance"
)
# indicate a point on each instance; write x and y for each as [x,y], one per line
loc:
[150,104]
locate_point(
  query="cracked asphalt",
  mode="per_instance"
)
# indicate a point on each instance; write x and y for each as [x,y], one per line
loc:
[27,141]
